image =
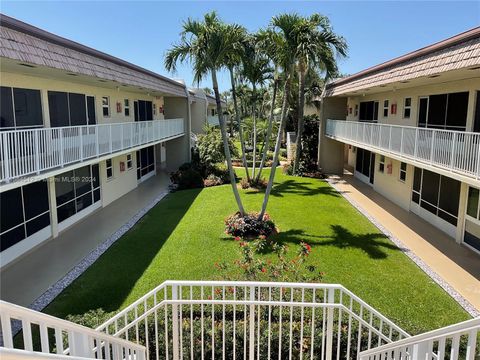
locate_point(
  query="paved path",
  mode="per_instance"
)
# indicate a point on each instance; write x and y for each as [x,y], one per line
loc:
[457,265]
[30,276]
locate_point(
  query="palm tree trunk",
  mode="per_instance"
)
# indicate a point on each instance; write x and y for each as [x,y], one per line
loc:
[225,144]
[286,94]
[266,145]
[301,119]
[254,155]
[240,130]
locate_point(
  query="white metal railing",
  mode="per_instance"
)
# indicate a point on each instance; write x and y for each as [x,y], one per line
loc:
[33,151]
[453,342]
[240,320]
[43,336]
[213,120]
[454,151]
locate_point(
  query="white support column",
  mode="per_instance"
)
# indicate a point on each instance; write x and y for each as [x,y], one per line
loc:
[175,325]
[329,325]
[52,201]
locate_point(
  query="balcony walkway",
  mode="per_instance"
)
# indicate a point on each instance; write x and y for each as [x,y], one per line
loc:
[457,265]
[29,277]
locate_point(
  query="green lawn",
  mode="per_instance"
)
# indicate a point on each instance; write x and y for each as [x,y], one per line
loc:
[182,238]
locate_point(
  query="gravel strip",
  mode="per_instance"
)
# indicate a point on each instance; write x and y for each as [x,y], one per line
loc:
[464,303]
[53,291]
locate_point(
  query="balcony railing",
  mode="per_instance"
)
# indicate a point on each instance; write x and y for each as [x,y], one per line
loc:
[454,151]
[235,320]
[34,151]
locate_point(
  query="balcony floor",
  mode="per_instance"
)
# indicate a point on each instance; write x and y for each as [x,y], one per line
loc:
[454,263]
[26,279]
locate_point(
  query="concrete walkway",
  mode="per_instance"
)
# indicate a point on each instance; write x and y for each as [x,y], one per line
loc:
[30,276]
[454,263]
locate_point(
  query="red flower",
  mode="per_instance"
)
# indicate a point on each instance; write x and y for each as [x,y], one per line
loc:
[243,243]
[264,270]
[237,238]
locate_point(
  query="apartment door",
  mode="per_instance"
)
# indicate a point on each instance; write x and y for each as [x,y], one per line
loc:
[372,168]
[91,110]
[476,119]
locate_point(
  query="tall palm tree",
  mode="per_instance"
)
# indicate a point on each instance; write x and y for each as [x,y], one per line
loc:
[204,44]
[257,70]
[232,60]
[281,44]
[317,47]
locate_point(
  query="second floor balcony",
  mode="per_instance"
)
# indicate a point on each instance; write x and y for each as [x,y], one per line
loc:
[25,153]
[455,153]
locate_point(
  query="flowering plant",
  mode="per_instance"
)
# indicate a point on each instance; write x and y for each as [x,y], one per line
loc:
[249,226]
[250,266]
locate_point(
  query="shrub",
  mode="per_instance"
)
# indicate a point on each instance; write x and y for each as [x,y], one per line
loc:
[212,180]
[249,226]
[92,318]
[210,147]
[220,170]
[187,177]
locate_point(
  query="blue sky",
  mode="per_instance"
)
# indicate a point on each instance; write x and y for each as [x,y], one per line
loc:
[141,32]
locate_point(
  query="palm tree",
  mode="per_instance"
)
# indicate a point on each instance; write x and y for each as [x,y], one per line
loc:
[204,44]
[317,46]
[280,44]
[232,60]
[256,69]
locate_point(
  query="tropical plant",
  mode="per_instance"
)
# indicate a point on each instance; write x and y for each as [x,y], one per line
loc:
[204,44]
[317,46]
[280,42]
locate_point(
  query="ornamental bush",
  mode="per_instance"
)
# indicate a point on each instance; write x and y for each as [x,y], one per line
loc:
[249,226]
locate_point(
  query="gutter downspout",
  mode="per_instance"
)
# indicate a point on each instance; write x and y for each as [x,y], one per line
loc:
[189,115]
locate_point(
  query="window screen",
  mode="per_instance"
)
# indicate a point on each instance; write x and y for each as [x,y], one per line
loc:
[58,107]
[28,107]
[6,108]
[78,109]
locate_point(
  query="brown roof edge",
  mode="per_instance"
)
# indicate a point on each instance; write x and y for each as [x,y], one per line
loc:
[28,29]
[454,40]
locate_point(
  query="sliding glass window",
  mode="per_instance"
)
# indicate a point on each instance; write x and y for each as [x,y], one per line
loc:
[20,108]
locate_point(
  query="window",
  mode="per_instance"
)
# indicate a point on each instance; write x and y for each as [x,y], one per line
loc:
[20,108]
[154,109]
[437,194]
[444,111]
[129,161]
[24,211]
[109,168]
[106,106]
[472,204]
[126,106]
[145,161]
[369,111]
[385,108]
[356,110]
[403,171]
[76,190]
[407,108]
[145,110]
[70,109]
[381,164]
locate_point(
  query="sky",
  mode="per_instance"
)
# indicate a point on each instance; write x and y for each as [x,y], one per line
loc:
[142,31]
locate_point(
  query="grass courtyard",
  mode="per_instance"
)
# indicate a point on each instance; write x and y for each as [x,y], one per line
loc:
[183,236]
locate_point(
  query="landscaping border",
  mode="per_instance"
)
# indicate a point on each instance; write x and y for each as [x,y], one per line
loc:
[54,290]
[464,303]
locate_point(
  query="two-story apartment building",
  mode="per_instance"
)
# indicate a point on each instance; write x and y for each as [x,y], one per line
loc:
[79,129]
[410,128]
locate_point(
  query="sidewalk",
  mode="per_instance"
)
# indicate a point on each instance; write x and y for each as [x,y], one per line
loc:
[28,278]
[454,263]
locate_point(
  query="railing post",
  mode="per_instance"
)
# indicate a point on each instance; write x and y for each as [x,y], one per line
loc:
[251,355]
[6,156]
[80,129]
[452,160]
[329,324]
[175,324]
[37,153]
[111,141]
[401,142]
[432,144]
[415,145]
[61,147]
[390,139]
[79,346]
[419,351]
[97,141]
